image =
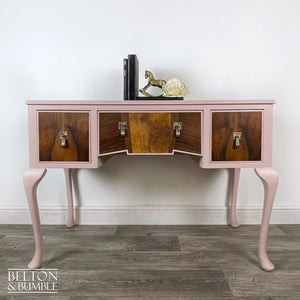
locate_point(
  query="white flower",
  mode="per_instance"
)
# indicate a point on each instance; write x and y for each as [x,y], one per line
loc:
[175,88]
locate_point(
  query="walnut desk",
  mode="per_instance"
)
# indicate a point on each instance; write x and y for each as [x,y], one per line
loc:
[217,134]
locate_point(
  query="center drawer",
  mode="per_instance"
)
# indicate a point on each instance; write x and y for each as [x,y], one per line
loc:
[157,132]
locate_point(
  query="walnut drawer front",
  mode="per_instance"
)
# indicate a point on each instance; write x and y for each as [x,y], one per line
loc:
[225,125]
[150,132]
[75,124]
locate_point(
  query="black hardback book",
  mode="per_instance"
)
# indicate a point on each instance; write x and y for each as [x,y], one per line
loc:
[125,79]
[133,77]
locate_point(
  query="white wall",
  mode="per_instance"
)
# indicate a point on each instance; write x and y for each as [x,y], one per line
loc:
[234,49]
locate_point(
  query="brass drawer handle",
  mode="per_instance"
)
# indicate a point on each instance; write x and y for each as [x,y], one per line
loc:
[63,135]
[177,127]
[122,128]
[237,136]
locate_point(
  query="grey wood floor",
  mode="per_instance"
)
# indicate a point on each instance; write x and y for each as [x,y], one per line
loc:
[158,262]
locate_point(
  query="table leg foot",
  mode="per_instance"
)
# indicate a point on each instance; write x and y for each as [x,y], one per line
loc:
[236,177]
[269,177]
[31,180]
[70,222]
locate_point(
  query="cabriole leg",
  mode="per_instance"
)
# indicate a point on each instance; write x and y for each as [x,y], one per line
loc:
[31,180]
[235,185]
[70,222]
[269,177]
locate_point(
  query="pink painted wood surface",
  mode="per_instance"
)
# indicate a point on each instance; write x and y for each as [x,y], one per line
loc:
[68,179]
[139,154]
[206,107]
[235,184]
[269,177]
[139,102]
[31,180]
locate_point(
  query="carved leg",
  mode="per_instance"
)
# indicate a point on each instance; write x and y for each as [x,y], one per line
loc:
[235,185]
[31,180]
[70,222]
[269,177]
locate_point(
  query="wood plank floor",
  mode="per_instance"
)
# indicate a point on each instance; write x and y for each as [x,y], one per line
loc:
[158,262]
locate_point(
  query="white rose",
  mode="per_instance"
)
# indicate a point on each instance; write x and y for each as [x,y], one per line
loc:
[175,88]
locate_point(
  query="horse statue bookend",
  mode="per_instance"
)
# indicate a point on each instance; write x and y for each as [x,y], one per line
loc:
[151,82]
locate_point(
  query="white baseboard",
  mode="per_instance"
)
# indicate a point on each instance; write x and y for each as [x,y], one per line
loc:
[150,215]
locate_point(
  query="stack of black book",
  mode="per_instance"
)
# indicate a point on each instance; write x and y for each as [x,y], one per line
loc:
[131,81]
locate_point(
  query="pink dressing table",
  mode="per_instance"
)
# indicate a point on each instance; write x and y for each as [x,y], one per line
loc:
[216,134]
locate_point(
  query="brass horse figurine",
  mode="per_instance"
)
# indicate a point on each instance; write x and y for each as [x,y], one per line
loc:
[152,82]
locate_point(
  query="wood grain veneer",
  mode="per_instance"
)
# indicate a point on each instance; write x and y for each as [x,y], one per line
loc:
[150,132]
[77,126]
[223,126]
[190,136]
[110,139]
